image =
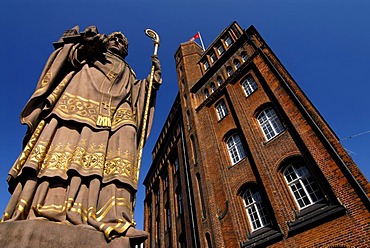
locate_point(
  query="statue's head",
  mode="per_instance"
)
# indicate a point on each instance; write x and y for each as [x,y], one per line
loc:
[118,43]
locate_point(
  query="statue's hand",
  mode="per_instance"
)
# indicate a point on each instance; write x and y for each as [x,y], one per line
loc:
[94,42]
[157,71]
[156,63]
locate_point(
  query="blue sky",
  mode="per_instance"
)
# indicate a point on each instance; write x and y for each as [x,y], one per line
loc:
[325,45]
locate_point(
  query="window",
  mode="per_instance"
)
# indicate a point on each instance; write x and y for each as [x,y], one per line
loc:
[157,196]
[244,56]
[249,85]
[302,185]
[229,71]
[236,64]
[213,58]
[269,123]
[193,148]
[257,214]
[206,93]
[165,182]
[188,119]
[176,164]
[179,202]
[213,87]
[220,49]
[168,217]
[235,148]
[221,110]
[158,232]
[205,65]
[150,208]
[219,80]
[228,41]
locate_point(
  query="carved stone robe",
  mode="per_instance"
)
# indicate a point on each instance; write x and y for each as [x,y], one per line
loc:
[78,165]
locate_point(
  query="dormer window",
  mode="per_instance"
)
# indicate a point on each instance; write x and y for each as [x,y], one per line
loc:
[220,49]
[228,41]
[205,65]
[213,58]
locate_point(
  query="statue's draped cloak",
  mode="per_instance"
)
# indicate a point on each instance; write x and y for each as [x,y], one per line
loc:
[78,164]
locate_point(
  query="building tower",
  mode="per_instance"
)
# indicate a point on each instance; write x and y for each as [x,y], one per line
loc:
[244,158]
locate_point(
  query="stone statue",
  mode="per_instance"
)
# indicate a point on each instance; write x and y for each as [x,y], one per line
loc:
[78,165]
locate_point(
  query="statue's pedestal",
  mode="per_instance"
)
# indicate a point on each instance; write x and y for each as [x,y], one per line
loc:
[41,234]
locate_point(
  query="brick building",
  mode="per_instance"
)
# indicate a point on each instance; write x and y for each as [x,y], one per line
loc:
[244,158]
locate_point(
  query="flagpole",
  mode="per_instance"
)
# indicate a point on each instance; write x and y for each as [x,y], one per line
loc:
[201,41]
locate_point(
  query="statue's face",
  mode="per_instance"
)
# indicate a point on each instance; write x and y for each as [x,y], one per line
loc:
[116,45]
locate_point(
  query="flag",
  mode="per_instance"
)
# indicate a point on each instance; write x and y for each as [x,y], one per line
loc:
[195,37]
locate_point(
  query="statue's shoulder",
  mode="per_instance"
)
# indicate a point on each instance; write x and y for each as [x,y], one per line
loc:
[132,71]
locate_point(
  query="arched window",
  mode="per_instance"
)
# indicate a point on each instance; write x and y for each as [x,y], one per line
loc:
[256,211]
[302,184]
[229,71]
[235,148]
[219,80]
[244,56]
[213,87]
[206,93]
[221,110]
[269,123]
[236,64]
[249,85]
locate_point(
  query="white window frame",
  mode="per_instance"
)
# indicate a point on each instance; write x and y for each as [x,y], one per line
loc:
[212,86]
[228,41]
[269,123]
[219,80]
[235,149]
[221,110]
[213,58]
[256,211]
[206,93]
[229,71]
[237,64]
[249,85]
[205,65]
[244,56]
[220,49]
[302,185]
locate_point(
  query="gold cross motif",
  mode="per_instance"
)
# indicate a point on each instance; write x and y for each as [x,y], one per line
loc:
[112,75]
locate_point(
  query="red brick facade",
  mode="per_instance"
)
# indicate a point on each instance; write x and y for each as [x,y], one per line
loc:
[265,170]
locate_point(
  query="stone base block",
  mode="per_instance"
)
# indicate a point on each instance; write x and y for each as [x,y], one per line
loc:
[44,234]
